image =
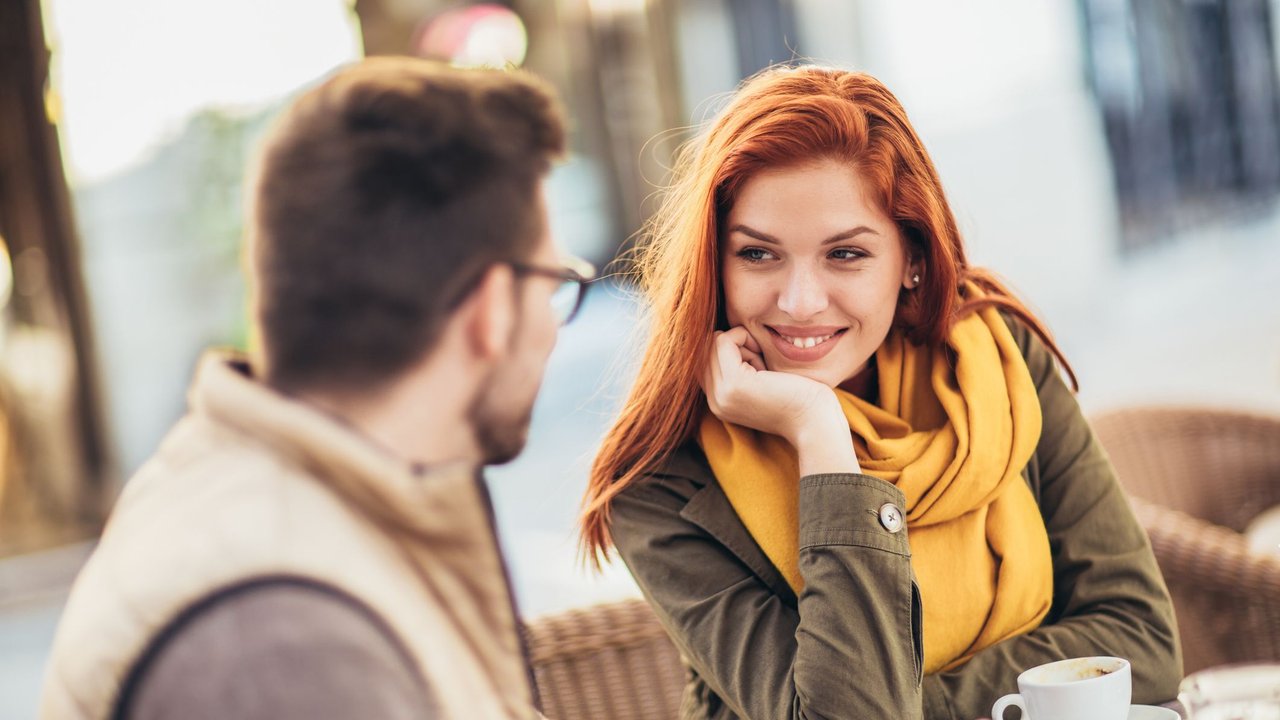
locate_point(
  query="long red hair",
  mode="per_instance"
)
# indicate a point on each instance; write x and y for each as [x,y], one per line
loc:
[779,117]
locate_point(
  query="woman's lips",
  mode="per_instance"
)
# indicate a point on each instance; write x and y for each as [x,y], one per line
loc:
[804,344]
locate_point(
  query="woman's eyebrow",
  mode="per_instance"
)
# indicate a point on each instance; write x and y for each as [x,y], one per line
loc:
[849,234]
[767,238]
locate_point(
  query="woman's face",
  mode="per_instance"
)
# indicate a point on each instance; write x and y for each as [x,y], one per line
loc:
[812,269]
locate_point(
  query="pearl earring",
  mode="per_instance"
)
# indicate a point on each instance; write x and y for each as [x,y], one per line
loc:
[915,279]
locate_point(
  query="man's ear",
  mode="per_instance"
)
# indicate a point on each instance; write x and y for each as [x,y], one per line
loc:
[491,312]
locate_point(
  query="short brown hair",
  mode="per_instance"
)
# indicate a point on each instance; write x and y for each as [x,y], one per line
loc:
[382,196]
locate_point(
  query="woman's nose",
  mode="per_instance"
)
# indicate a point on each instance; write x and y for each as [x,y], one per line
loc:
[803,296]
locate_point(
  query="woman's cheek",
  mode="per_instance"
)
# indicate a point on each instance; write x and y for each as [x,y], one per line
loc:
[736,314]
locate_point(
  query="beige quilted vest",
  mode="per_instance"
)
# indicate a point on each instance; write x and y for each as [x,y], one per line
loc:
[252,484]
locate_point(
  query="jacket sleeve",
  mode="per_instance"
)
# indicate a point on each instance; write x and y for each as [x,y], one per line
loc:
[1109,596]
[852,647]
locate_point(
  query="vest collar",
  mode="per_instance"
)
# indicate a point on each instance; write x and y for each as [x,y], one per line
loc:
[226,392]
[440,518]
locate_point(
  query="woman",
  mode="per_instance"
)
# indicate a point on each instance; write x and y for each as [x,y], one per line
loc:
[849,477]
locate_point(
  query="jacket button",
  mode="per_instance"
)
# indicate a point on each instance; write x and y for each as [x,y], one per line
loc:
[891,517]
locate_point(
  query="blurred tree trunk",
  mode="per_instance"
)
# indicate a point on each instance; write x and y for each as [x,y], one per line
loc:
[48,360]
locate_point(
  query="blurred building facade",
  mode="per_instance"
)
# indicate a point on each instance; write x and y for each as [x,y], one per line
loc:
[1071,136]
[1117,160]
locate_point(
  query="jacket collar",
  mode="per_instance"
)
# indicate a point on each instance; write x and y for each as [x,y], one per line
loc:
[709,508]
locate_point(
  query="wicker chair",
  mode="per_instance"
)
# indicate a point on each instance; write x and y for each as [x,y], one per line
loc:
[1196,477]
[611,660]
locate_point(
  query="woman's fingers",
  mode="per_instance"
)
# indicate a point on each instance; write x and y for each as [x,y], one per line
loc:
[737,335]
[722,378]
[728,350]
[747,347]
[709,372]
[722,369]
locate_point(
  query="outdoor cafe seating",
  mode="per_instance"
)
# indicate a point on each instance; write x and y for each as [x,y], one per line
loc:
[1196,478]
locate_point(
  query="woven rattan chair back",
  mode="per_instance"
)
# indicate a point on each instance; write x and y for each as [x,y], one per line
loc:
[1196,477]
[611,661]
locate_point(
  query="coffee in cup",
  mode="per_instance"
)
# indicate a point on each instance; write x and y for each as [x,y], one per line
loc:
[1098,688]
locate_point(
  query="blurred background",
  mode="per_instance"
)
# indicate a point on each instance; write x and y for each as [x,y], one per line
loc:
[1118,161]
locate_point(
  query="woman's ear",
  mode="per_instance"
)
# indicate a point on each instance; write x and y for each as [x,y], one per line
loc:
[913,274]
[913,248]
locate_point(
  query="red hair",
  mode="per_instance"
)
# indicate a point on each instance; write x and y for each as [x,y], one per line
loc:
[782,116]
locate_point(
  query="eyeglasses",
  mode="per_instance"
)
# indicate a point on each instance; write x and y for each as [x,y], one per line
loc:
[574,278]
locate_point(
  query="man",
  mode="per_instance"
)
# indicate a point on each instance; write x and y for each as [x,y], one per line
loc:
[313,540]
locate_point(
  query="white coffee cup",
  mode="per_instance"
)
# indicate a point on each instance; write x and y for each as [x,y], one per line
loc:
[1097,688]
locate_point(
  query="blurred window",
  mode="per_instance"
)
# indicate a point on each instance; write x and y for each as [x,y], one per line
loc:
[1191,107]
[161,105]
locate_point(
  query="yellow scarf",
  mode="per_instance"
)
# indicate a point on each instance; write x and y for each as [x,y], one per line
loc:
[954,440]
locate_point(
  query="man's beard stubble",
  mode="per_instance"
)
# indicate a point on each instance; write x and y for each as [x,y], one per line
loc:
[500,424]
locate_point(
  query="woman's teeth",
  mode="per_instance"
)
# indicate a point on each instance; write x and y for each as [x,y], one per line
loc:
[806,342]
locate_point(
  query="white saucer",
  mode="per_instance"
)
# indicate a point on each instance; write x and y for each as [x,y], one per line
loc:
[1152,712]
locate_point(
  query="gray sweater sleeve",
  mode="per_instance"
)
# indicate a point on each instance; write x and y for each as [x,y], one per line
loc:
[278,649]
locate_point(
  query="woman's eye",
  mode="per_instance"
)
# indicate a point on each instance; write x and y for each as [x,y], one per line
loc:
[754,254]
[847,254]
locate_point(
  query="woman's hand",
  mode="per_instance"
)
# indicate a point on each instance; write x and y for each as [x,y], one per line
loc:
[803,411]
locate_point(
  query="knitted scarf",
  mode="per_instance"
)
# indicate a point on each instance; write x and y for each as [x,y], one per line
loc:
[953,434]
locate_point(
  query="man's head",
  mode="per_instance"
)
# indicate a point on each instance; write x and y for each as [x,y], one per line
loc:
[393,208]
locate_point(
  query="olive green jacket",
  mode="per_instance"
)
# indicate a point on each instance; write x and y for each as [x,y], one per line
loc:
[850,645]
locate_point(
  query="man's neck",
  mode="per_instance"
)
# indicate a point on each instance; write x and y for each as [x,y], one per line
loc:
[421,417]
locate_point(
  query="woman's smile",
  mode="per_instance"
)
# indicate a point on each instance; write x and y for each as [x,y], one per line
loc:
[804,344]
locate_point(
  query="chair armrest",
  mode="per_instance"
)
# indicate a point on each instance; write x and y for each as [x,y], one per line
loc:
[1193,551]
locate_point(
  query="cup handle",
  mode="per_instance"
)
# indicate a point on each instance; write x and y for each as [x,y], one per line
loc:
[997,710]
